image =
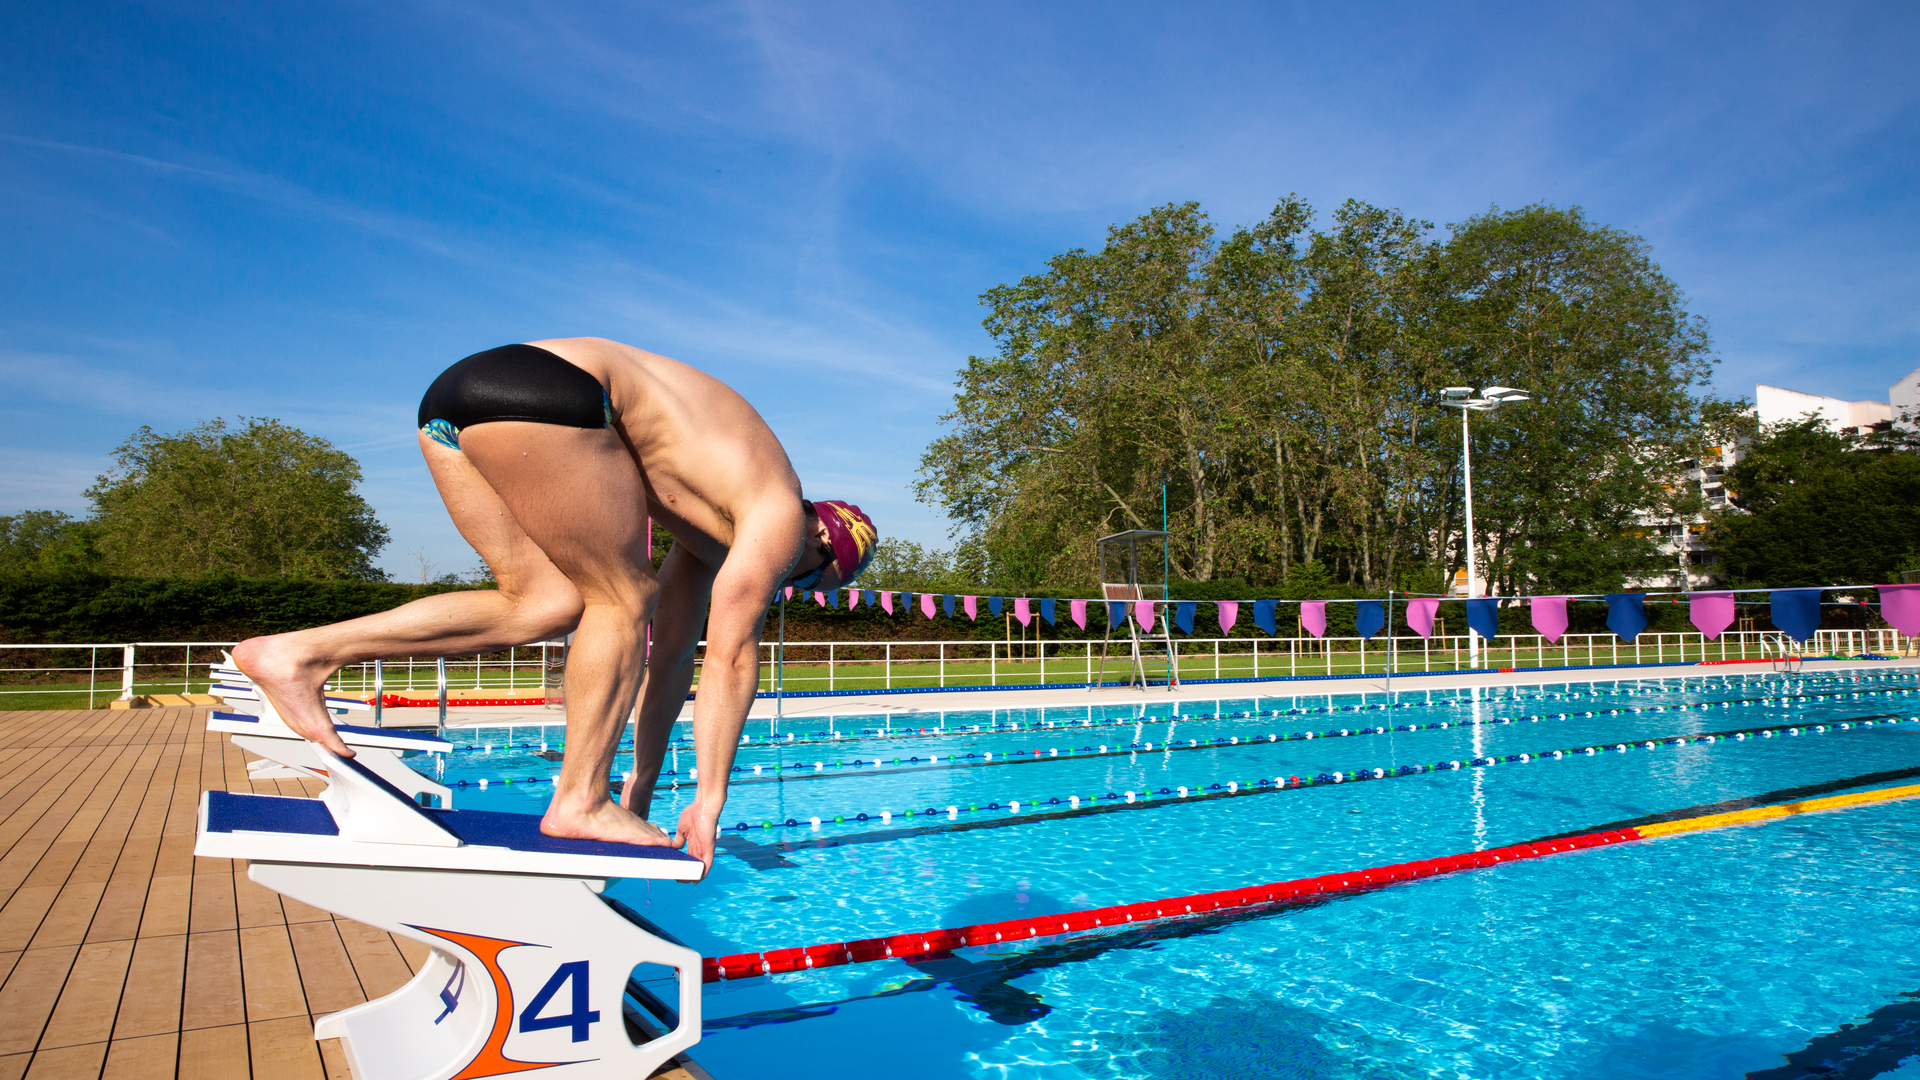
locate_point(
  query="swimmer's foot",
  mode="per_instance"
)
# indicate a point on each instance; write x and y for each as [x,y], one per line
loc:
[607,820]
[291,681]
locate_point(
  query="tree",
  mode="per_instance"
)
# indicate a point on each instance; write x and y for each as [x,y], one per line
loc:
[1819,508]
[265,500]
[1278,389]
[47,542]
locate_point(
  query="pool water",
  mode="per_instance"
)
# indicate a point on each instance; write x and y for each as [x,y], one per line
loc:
[1739,951]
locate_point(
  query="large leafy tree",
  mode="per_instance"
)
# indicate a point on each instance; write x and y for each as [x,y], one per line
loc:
[261,500]
[1277,388]
[1821,508]
[46,542]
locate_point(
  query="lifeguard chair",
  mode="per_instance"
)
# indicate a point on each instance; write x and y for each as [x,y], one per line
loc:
[1127,564]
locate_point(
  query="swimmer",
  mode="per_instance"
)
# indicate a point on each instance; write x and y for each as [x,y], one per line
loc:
[550,457]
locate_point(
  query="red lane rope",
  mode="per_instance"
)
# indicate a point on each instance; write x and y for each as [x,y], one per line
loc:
[933,942]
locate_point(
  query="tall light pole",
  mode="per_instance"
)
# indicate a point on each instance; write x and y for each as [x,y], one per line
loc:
[1462,398]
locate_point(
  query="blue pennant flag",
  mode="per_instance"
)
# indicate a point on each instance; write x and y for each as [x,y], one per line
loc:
[946,601]
[1116,613]
[1369,618]
[1626,615]
[1263,616]
[906,601]
[994,602]
[1183,615]
[1046,611]
[1483,616]
[1796,612]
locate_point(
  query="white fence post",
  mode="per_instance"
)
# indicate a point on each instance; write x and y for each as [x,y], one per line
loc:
[126,673]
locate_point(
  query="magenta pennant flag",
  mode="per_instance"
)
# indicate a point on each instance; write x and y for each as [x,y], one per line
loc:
[971,604]
[1420,616]
[1229,614]
[853,599]
[1313,617]
[1712,612]
[789,592]
[1022,611]
[1549,616]
[1900,606]
[926,604]
[1143,614]
[1079,610]
[886,602]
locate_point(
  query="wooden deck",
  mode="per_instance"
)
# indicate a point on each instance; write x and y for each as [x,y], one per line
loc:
[122,955]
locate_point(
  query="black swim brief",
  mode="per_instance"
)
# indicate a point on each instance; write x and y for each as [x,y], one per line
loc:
[513,382]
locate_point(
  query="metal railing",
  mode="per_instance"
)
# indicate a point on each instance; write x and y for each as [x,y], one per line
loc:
[89,675]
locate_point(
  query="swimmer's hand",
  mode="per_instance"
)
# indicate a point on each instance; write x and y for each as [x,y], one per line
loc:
[698,828]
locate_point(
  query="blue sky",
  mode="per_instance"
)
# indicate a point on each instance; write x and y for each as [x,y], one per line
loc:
[306,211]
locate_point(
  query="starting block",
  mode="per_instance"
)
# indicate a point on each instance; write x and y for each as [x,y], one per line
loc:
[532,967]
[258,729]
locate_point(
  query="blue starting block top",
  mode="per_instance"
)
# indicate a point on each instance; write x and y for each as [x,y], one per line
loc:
[278,828]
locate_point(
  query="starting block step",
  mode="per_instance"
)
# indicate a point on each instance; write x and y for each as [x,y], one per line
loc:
[531,963]
[287,754]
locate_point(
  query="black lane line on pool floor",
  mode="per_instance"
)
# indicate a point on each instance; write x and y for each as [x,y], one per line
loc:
[1791,794]
[1851,1053]
[773,856]
[1087,753]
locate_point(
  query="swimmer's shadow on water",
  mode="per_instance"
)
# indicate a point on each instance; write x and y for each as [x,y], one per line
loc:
[985,984]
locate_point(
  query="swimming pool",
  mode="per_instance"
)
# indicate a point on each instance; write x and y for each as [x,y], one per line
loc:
[1711,954]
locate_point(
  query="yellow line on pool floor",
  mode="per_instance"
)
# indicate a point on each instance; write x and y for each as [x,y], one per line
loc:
[1781,810]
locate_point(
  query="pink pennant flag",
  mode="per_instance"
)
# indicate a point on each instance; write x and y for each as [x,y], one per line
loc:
[1549,616]
[1712,612]
[820,598]
[1022,611]
[1900,606]
[1143,614]
[789,593]
[1079,611]
[886,601]
[1313,617]
[970,603]
[853,599]
[926,604]
[1229,614]
[1420,616]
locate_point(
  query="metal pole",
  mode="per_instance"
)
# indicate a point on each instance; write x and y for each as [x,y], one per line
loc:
[440,680]
[780,665]
[380,685]
[1473,572]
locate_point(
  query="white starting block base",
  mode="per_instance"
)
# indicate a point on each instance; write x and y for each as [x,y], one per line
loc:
[530,963]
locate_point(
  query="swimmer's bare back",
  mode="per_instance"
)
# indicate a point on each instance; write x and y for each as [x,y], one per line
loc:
[709,461]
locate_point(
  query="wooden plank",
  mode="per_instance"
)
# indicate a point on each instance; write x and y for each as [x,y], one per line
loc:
[212,905]
[118,915]
[270,974]
[414,952]
[333,1058]
[26,1001]
[284,1049]
[219,1052]
[156,978]
[326,974]
[91,997]
[68,1063]
[149,1058]
[14,1066]
[377,962]
[214,995]
[167,906]
[21,918]
[256,904]
[72,912]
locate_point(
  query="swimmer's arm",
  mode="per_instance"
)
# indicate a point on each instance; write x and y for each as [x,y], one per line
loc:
[758,562]
[678,618]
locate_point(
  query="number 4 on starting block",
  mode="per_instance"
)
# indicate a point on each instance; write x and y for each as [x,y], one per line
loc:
[530,963]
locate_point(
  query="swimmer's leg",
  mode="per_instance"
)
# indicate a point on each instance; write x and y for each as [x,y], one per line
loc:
[579,496]
[534,601]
